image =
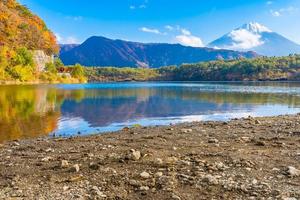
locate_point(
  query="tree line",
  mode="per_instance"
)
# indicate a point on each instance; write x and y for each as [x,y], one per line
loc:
[257,69]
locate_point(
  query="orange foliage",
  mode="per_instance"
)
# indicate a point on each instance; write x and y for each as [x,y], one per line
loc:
[20,28]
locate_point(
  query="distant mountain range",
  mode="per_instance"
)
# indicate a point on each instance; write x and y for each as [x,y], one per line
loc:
[247,41]
[100,51]
[258,38]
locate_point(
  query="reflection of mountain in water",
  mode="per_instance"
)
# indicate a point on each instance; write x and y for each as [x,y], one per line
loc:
[106,106]
[103,111]
[31,111]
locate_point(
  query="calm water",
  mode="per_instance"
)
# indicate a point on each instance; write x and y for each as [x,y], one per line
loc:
[40,110]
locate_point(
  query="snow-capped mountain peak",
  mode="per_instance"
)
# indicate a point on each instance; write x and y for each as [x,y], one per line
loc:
[255,27]
[256,37]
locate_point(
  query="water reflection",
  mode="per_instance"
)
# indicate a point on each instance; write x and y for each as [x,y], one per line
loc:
[31,111]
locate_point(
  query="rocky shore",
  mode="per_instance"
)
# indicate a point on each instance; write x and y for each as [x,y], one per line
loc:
[252,158]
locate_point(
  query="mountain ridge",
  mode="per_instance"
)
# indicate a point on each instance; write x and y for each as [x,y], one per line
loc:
[102,51]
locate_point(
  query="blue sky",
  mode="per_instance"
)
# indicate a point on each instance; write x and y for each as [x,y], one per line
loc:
[195,22]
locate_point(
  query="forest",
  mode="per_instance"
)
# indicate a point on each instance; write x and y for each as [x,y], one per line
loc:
[21,33]
[257,69]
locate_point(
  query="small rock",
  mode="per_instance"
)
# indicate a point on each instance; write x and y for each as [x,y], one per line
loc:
[64,164]
[210,180]
[65,188]
[257,122]
[16,143]
[186,130]
[171,160]
[175,197]
[135,155]
[134,183]
[144,188]
[46,159]
[292,171]
[158,174]
[75,168]
[96,191]
[145,175]
[94,166]
[213,140]
[260,143]
[254,182]
[158,161]
[49,150]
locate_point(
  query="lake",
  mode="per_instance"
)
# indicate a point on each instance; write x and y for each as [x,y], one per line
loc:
[80,109]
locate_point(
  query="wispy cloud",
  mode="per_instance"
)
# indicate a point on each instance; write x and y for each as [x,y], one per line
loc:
[269,3]
[169,28]
[66,40]
[151,30]
[142,5]
[284,11]
[188,39]
[75,18]
[275,13]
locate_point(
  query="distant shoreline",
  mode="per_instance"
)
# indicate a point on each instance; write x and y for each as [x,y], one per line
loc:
[4,83]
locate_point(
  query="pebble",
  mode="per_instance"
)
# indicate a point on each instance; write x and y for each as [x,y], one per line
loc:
[75,168]
[213,140]
[186,130]
[65,188]
[158,174]
[97,192]
[134,183]
[257,122]
[144,188]
[175,197]
[171,160]
[210,179]
[135,155]
[158,161]
[64,164]
[46,159]
[49,150]
[145,175]
[94,166]
[292,171]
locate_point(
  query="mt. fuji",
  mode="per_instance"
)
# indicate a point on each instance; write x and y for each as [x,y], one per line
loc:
[256,37]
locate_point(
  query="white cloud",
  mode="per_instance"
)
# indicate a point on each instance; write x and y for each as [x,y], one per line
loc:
[169,28]
[243,39]
[71,40]
[185,31]
[269,3]
[275,13]
[67,40]
[75,18]
[284,11]
[58,38]
[186,38]
[139,6]
[150,30]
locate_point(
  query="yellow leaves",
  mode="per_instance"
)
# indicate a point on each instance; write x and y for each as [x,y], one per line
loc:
[20,28]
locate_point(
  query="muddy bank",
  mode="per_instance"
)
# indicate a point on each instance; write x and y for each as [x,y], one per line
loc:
[253,158]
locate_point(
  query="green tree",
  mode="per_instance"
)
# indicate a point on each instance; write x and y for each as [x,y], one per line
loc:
[78,71]
[51,67]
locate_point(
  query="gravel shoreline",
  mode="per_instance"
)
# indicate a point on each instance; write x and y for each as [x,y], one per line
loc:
[251,158]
